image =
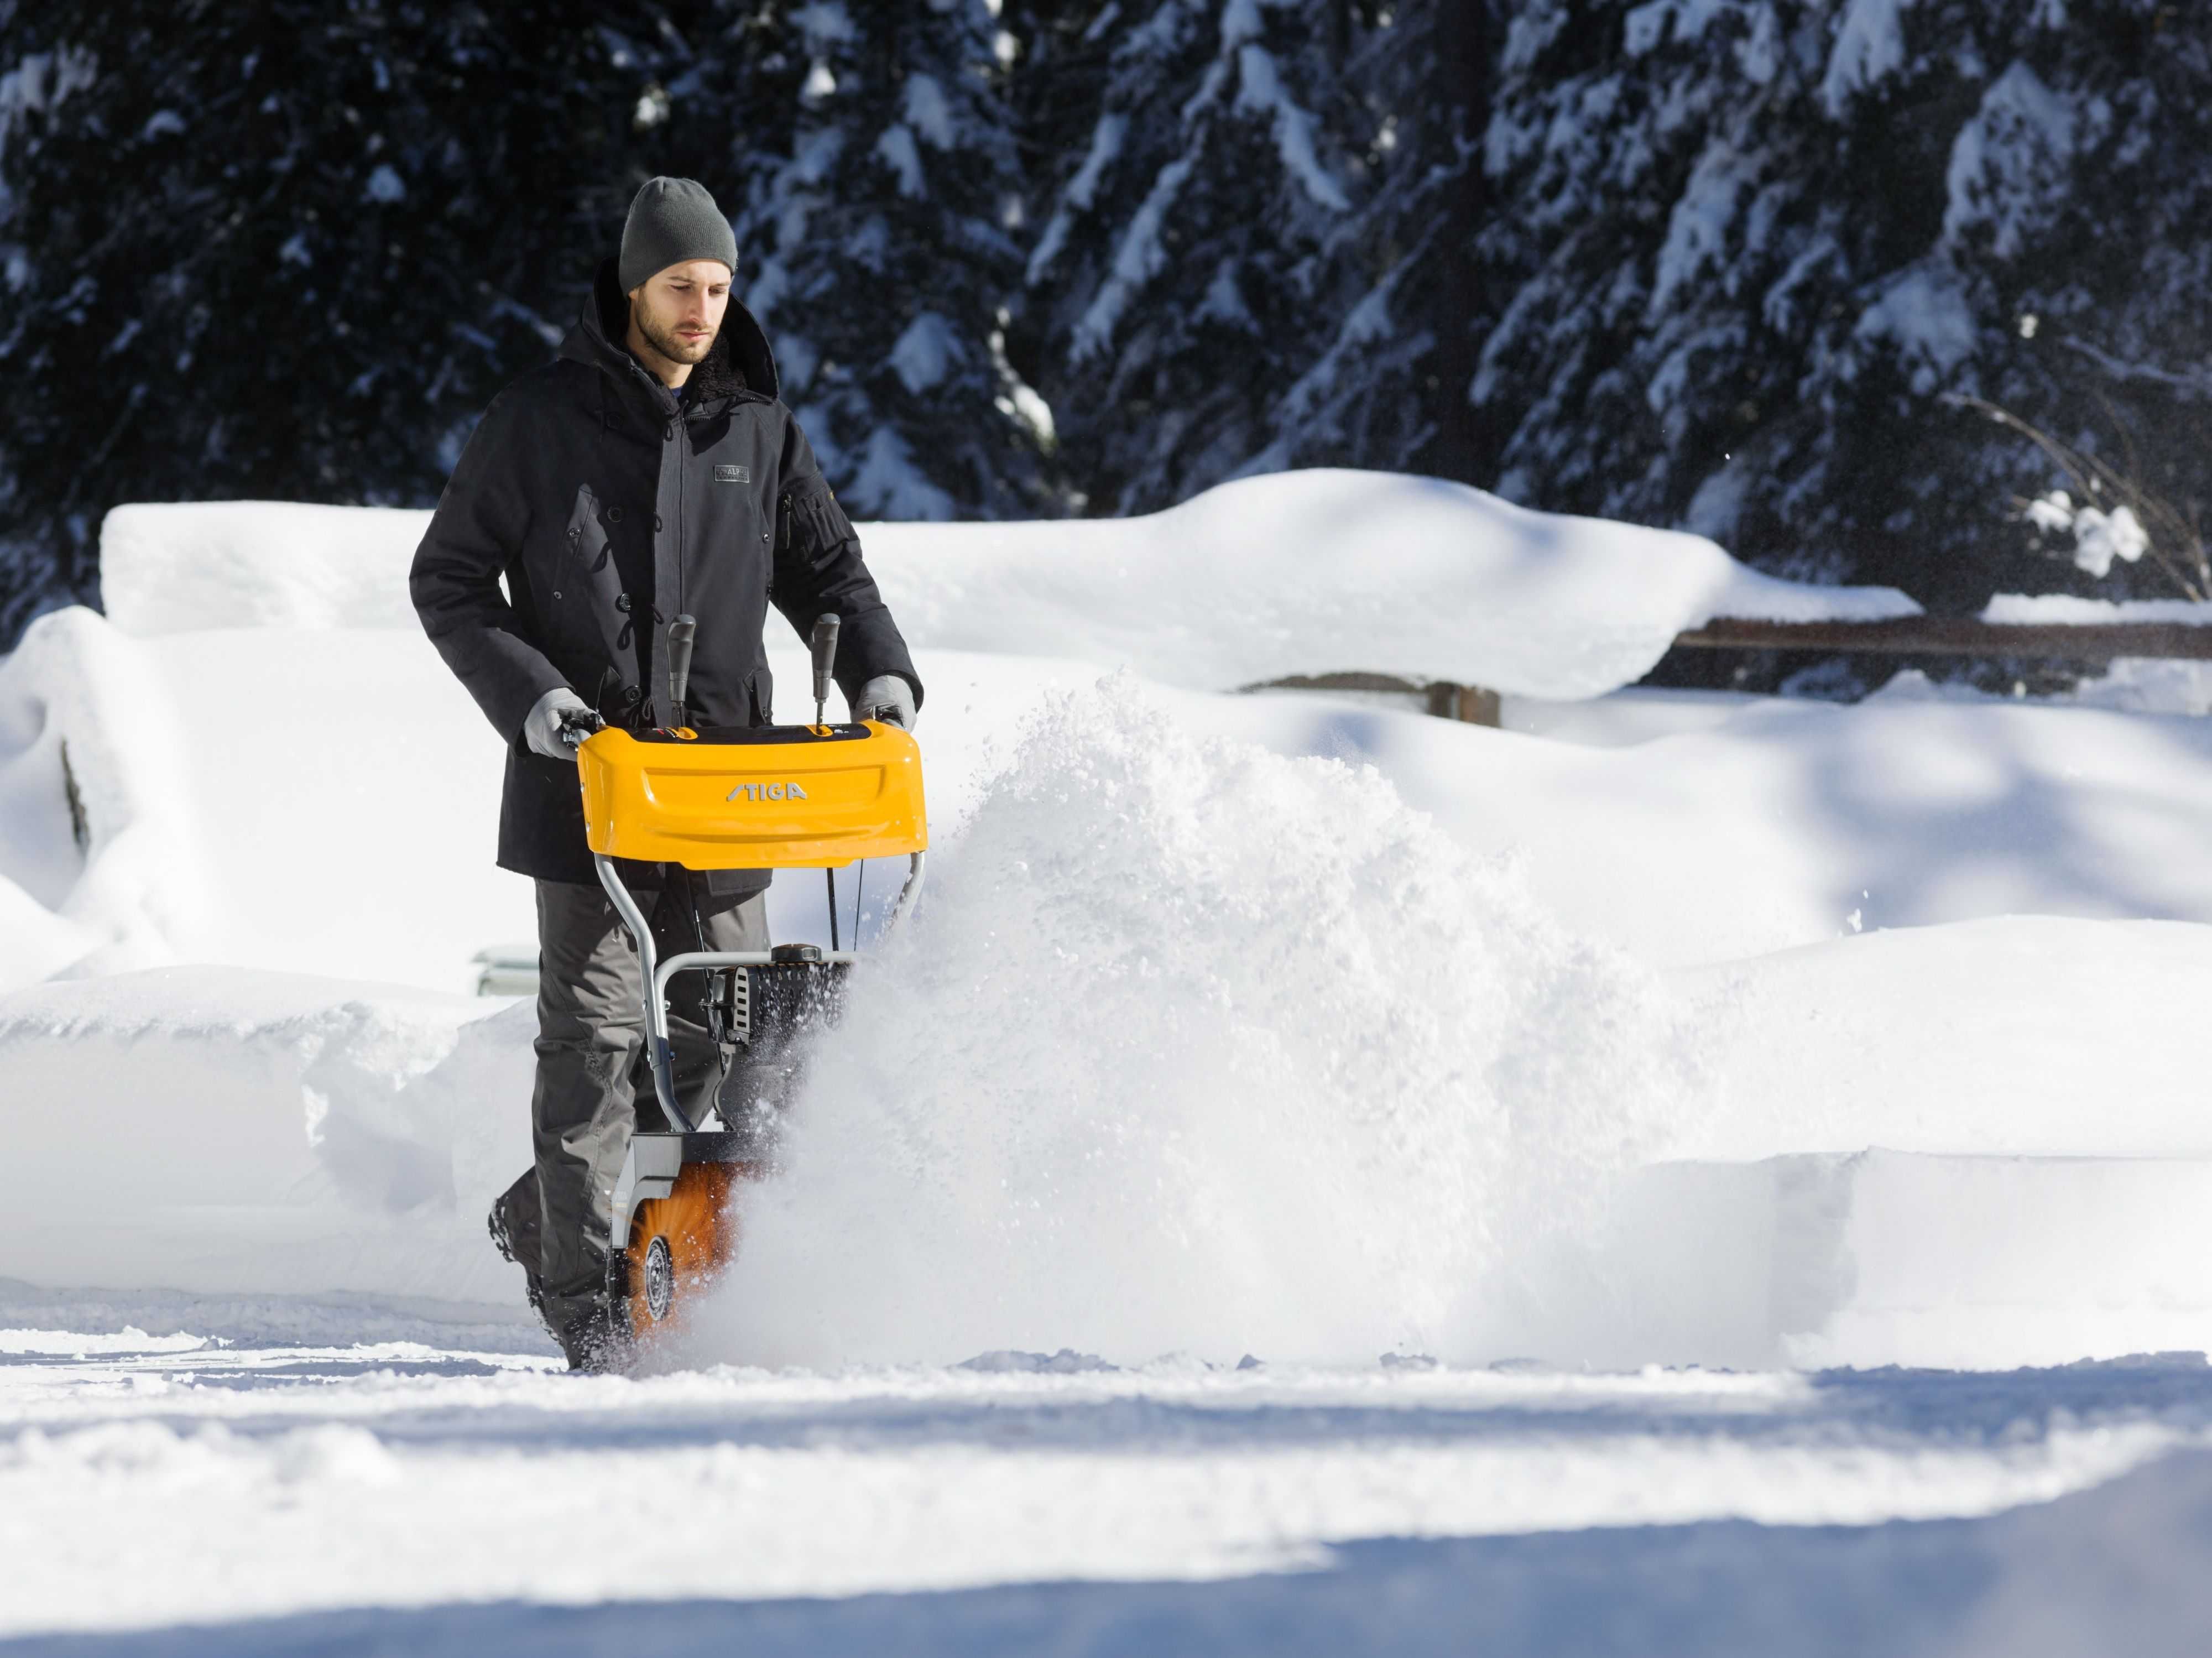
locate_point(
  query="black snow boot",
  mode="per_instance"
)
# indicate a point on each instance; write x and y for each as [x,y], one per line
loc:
[515,1219]
[598,1342]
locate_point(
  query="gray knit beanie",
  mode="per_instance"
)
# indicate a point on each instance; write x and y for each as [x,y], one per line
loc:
[671,221]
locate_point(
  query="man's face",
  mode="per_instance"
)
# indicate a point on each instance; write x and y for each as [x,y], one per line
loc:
[680,310]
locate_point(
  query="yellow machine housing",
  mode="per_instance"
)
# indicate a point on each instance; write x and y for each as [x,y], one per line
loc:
[781,797]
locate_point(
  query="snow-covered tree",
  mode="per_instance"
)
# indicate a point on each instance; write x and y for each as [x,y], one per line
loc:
[1755,245]
[1178,267]
[1398,290]
[288,249]
[1742,264]
[880,252]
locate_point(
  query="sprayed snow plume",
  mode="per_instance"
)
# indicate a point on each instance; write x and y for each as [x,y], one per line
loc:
[1200,1048]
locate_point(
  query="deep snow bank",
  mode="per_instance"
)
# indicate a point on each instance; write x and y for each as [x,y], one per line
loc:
[1881,1257]
[324,802]
[317,801]
[1781,824]
[2020,1035]
[1200,1044]
[1197,1045]
[212,566]
[101,861]
[1294,573]
[220,1131]
[345,823]
[1306,572]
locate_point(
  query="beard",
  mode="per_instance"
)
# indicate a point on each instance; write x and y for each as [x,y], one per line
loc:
[669,343]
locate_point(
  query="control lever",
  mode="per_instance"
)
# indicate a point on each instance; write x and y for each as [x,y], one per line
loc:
[681,634]
[823,643]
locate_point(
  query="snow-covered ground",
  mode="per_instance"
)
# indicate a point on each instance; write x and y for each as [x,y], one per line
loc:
[254,1496]
[1753,1036]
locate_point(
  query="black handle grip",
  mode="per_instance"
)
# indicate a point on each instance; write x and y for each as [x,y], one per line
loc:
[823,643]
[681,634]
[576,725]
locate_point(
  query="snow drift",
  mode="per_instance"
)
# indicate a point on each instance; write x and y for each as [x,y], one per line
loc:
[1294,573]
[240,1132]
[262,798]
[1280,1023]
[1196,1046]
[195,567]
[1307,572]
[100,859]
[1768,824]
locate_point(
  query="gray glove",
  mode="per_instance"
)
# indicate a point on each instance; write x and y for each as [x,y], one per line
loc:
[542,728]
[886,697]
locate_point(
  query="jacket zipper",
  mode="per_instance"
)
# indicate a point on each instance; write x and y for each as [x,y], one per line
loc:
[782,543]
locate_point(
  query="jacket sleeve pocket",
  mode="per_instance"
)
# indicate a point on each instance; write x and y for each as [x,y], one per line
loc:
[817,524]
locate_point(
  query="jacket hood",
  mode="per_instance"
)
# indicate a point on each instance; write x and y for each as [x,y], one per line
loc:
[739,361]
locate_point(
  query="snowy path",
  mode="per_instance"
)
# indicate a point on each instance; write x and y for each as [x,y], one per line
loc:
[178,1494]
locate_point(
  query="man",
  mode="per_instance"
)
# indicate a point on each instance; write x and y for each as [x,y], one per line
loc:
[649,471]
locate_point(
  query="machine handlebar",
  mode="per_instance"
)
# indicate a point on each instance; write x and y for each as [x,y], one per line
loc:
[682,633]
[578,724]
[823,644]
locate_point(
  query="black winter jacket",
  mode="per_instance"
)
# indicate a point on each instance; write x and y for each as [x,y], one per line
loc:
[608,508]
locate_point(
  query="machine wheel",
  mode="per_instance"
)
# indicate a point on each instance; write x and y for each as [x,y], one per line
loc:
[659,1279]
[679,1244]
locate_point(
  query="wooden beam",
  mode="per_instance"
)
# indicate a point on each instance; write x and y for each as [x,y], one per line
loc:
[1343,681]
[1960,636]
[1910,635]
[1474,705]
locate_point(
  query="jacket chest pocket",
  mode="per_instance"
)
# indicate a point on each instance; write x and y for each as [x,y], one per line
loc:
[585,585]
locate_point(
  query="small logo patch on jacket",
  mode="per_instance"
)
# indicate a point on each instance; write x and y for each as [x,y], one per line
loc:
[734,475]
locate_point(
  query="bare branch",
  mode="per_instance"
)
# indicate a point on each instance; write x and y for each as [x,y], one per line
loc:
[2177,546]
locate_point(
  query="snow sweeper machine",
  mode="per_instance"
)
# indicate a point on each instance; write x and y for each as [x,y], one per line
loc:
[772,797]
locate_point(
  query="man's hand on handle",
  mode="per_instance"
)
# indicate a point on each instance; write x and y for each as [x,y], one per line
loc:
[561,719]
[886,697]
[546,731]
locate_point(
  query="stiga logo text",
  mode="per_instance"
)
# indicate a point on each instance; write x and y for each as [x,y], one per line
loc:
[734,475]
[767,791]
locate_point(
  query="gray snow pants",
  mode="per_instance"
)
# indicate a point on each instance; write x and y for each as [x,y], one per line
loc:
[594,1084]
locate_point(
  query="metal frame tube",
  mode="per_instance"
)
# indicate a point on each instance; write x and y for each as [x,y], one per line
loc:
[908,894]
[655,974]
[706,961]
[659,1057]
